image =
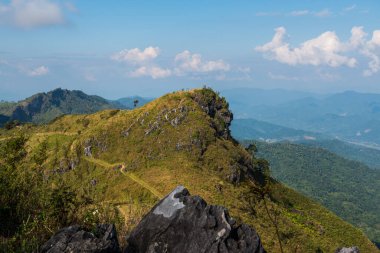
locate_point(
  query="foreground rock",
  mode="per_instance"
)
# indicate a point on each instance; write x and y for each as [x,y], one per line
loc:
[184,223]
[75,239]
[348,250]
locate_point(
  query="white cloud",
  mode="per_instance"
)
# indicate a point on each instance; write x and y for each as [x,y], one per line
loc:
[188,62]
[143,63]
[153,71]
[325,49]
[39,71]
[136,56]
[143,60]
[31,13]
[299,13]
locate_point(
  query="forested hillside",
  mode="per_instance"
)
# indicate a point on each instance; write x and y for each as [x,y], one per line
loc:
[348,188]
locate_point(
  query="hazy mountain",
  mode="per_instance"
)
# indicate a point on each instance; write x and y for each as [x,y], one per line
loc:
[350,115]
[251,129]
[113,166]
[43,107]
[129,101]
[350,189]
[242,99]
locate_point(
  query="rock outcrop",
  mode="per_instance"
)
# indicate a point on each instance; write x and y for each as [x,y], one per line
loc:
[217,108]
[184,223]
[76,239]
[353,249]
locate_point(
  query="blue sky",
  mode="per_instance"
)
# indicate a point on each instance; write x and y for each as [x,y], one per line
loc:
[122,48]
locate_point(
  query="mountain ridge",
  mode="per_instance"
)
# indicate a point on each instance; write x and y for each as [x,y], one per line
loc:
[44,107]
[182,138]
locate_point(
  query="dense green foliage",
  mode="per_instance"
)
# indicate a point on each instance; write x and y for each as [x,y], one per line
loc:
[366,155]
[350,189]
[134,157]
[44,107]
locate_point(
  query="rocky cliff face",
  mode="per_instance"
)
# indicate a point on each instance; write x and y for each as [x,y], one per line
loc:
[184,223]
[217,108]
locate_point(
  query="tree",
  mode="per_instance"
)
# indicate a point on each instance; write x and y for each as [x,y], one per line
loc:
[262,188]
[135,102]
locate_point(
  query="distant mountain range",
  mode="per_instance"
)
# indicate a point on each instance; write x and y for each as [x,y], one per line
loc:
[44,107]
[349,115]
[129,102]
[242,100]
[251,129]
[350,189]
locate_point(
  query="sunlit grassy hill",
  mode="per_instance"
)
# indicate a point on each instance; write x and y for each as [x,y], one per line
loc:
[118,164]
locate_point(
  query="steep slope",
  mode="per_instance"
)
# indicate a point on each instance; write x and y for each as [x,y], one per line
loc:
[350,189]
[43,107]
[115,165]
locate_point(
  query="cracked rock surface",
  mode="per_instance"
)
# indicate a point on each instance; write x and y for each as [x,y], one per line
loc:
[184,223]
[76,239]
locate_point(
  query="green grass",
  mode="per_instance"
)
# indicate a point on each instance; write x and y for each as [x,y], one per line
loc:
[167,142]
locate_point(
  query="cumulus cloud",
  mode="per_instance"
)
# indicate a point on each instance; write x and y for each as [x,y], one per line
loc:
[154,72]
[31,13]
[143,63]
[136,56]
[326,49]
[188,62]
[39,71]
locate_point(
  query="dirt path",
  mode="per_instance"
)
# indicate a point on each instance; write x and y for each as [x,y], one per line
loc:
[131,175]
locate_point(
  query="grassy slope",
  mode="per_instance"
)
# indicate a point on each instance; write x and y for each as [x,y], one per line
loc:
[348,188]
[187,153]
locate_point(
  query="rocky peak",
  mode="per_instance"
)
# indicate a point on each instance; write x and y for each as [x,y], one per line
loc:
[217,108]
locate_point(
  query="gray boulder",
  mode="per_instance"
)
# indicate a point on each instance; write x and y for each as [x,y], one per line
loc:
[75,239]
[186,224]
[353,249]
